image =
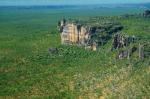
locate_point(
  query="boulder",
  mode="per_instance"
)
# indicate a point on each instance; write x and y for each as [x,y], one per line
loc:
[124,54]
[53,50]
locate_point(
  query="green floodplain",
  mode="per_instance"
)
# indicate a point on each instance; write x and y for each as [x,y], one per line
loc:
[28,70]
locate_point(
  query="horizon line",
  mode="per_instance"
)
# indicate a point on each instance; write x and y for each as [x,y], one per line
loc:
[73,4]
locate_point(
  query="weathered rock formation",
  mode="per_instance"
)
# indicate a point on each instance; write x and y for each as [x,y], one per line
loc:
[120,41]
[53,50]
[87,34]
[74,33]
[124,54]
[122,44]
[146,13]
[144,50]
[93,33]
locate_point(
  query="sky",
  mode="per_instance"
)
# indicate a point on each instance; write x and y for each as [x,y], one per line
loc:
[66,2]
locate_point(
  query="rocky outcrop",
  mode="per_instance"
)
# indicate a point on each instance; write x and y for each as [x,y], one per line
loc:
[61,25]
[124,54]
[144,50]
[74,34]
[85,33]
[120,41]
[146,13]
[53,50]
[127,45]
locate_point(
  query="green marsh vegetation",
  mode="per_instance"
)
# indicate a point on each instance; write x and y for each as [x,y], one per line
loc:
[28,70]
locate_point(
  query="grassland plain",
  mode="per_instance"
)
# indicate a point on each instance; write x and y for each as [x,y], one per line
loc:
[28,70]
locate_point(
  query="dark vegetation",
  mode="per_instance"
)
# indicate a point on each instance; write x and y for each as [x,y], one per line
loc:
[102,29]
[33,64]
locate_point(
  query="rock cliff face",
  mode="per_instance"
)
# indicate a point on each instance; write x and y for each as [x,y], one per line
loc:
[75,33]
[87,35]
